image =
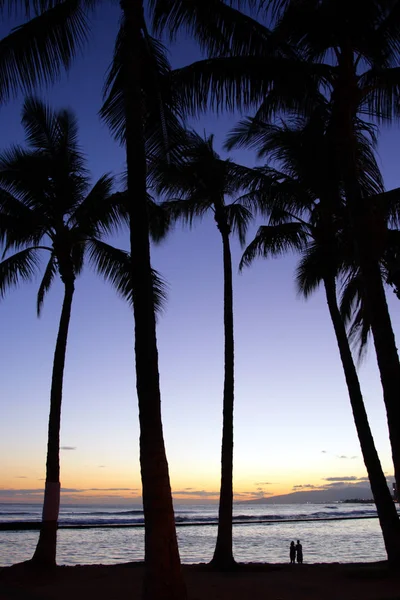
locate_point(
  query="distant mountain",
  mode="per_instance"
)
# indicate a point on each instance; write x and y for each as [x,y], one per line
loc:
[333,494]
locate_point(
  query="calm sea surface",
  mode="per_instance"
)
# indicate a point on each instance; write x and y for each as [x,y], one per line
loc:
[261,533]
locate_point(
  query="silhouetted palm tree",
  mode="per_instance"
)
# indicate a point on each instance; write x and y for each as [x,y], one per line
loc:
[196,185]
[46,205]
[308,215]
[348,52]
[136,90]
[142,110]
[357,44]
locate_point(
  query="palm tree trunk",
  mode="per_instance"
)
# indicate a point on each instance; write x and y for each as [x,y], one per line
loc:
[387,514]
[381,326]
[223,554]
[45,553]
[163,578]
[367,247]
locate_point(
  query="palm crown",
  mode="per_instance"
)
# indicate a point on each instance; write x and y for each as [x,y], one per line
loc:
[47,205]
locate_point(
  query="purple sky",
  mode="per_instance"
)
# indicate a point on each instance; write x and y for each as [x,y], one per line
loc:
[293,424]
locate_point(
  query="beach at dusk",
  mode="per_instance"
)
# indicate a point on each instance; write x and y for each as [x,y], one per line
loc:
[199,299]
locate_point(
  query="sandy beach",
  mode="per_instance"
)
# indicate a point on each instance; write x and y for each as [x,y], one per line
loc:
[267,581]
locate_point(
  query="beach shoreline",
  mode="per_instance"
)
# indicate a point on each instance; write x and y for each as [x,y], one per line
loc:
[275,581]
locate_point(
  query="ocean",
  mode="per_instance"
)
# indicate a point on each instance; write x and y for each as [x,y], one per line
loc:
[93,534]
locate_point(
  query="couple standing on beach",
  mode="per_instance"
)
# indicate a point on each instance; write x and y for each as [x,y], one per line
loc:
[296,551]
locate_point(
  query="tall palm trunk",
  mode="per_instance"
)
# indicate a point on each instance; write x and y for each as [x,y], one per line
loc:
[367,249]
[387,514]
[163,577]
[46,548]
[223,554]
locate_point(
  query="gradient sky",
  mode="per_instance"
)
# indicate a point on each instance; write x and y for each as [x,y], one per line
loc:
[293,423]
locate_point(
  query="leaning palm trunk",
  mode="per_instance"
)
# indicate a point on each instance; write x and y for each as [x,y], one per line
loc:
[163,577]
[223,554]
[367,248]
[46,548]
[387,514]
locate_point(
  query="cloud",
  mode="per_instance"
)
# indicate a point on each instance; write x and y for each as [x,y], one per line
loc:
[21,477]
[102,466]
[344,483]
[344,457]
[191,492]
[252,495]
[111,490]
[68,448]
[82,490]
[263,483]
[71,495]
[350,478]
[11,493]
[323,452]
[306,486]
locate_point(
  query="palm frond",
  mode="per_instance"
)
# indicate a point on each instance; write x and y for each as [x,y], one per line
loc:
[218,27]
[389,203]
[354,312]
[40,124]
[380,90]
[239,218]
[159,221]
[13,206]
[54,132]
[249,133]
[390,261]
[114,265]
[19,225]
[186,210]
[310,270]
[47,280]
[98,212]
[36,52]
[21,266]
[240,83]
[23,174]
[275,240]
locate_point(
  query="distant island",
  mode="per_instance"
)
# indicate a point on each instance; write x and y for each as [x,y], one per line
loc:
[347,493]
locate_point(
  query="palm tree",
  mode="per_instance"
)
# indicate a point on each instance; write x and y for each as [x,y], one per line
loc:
[195,186]
[138,66]
[46,205]
[142,110]
[307,214]
[137,90]
[348,52]
[362,41]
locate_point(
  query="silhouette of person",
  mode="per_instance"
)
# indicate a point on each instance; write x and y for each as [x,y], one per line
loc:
[292,553]
[299,552]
